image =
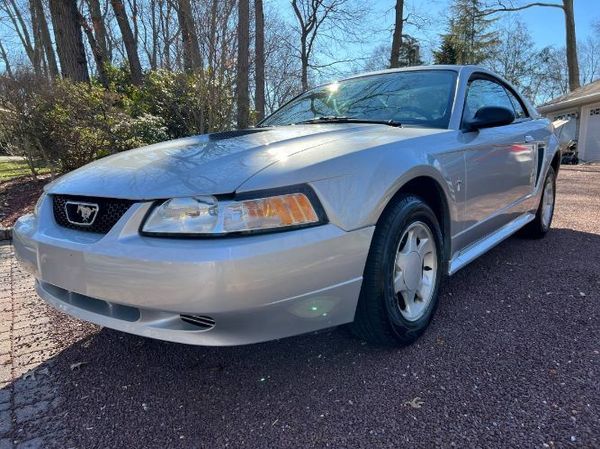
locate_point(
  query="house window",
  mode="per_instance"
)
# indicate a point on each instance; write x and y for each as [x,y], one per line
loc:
[594,112]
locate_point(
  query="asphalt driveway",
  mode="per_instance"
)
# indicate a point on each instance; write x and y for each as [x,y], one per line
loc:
[512,360]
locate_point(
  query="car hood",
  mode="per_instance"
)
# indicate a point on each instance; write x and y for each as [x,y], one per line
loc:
[209,164]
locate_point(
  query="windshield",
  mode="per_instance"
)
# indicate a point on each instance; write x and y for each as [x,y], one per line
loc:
[419,98]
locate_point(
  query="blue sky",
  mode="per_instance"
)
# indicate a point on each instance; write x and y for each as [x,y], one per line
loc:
[546,24]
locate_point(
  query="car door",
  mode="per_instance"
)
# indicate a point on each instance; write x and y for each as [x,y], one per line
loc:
[499,162]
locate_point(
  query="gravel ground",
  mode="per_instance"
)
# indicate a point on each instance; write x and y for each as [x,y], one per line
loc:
[511,360]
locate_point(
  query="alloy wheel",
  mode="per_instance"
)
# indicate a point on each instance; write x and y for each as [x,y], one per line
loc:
[548,202]
[415,271]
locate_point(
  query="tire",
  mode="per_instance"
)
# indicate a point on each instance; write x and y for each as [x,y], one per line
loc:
[382,316]
[540,225]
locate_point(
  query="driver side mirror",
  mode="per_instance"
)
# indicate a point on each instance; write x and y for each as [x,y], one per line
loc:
[489,117]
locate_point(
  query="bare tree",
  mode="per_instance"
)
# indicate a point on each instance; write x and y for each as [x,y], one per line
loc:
[243,35]
[281,62]
[334,18]
[99,26]
[21,29]
[259,55]
[571,42]
[39,61]
[192,59]
[97,51]
[589,59]
[168,32]
[46,40]
[69,42]
[310,18]
[397,38]
[218,41]
[31,27]
[4,57]
[151,42]
[129,41]
[516,59]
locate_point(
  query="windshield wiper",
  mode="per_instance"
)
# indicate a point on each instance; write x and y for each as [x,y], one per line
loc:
[325,118]
[344,119]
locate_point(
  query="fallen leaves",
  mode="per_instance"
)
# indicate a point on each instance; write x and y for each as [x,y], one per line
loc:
[32,373]
[77,366]
[416,402]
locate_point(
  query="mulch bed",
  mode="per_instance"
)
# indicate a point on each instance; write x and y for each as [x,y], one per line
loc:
[18,196]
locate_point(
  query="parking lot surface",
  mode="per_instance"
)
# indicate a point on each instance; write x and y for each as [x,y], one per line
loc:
[511,360]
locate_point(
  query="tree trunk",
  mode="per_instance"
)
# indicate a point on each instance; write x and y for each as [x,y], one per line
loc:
[572,62]
[69,42]
[99,56]
[99,28]
[133,4]
[129,40]
[38,50]
[567,7]
[192,59]
[153,54]
[22,31]
[243,35]
[4,57]
[304,32]
[397,39]
[46,39]
[259,50]
[304,63]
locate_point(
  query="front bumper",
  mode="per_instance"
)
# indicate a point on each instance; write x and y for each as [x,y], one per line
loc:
[255,288]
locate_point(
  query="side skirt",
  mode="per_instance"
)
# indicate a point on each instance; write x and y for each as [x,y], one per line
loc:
[482,246]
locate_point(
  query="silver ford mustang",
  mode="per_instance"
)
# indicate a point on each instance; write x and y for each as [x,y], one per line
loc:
[347,205]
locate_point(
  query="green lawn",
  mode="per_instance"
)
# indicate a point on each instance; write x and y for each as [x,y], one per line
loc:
[11,168]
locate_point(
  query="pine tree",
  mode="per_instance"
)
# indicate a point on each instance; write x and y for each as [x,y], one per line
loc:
[469,32]
[447,53]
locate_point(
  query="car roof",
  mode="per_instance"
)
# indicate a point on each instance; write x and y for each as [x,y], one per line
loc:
[454,68]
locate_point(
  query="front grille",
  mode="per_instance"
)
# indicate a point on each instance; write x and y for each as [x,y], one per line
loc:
[109,212]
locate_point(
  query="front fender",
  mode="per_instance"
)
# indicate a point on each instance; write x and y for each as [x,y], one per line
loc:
[355,186]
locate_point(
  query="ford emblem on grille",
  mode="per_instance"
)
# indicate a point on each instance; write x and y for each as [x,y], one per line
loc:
[81,214]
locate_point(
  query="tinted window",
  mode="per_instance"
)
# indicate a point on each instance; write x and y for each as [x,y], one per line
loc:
[517,106]
[484,93]
[422,98]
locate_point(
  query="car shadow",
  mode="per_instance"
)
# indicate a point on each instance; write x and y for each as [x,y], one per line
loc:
[328,388]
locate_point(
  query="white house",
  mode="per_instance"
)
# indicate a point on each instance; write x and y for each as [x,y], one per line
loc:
[582,106]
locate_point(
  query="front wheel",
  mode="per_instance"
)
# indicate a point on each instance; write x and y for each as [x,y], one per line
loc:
[402,276]
[540,225]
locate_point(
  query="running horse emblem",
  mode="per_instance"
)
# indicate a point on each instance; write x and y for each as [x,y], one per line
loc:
[85,212]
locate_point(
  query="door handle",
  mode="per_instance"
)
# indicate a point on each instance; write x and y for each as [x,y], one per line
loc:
[529,139]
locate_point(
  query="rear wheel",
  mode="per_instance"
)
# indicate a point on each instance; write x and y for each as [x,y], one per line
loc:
[540,225]
[402,276]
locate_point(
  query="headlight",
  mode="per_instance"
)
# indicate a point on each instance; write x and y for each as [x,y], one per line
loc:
[38,204]
[207,216]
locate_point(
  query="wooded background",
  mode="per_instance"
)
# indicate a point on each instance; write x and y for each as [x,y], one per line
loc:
[80,79]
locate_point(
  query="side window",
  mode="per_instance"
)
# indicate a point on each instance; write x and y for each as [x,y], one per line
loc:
[520,112]
[482,93]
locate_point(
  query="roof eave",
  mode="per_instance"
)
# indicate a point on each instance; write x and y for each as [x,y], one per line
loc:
[565,104]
